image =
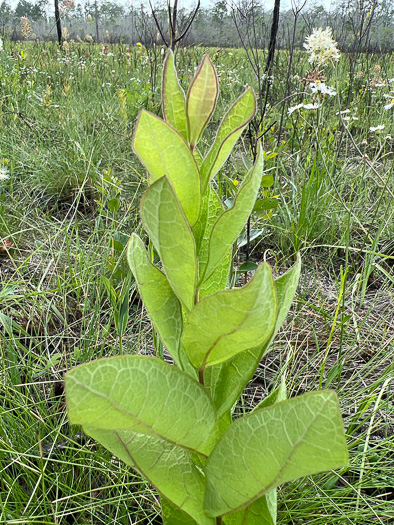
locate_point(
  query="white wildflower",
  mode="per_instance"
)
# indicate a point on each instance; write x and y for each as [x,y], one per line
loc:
[1,45]
[4,175]
[304,106]
[321,87]
[321,46]
[389,105]
[377,128]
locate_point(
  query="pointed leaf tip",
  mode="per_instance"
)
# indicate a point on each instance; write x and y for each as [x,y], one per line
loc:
[201,99]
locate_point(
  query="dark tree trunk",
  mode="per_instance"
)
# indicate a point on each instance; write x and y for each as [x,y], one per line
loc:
[96,16]
[58,23]
[272,44]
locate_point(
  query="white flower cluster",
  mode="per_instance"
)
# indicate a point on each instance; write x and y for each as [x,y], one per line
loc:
[1,45]
[321,87]
[321,46]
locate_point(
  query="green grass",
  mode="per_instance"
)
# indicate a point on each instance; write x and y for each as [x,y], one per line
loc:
[65,139]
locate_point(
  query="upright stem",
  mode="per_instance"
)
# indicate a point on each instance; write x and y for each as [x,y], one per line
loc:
[219,520]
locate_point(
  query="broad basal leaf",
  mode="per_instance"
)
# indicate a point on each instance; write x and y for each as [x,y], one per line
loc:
[163,151]
[227,380]
[271,446]
[169,468]
[230,223]
[172,238]
[231,128]
[142,394]
[201,99]
[160,301]
[173,97]
[228,322]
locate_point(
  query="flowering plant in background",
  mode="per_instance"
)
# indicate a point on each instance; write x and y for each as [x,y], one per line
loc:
[26,27]
[321,47]
[1,44]
[65,33]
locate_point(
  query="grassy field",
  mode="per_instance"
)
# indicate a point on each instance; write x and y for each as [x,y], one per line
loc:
[69,192]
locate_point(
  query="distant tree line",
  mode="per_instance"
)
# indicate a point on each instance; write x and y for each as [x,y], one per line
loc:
[358,25]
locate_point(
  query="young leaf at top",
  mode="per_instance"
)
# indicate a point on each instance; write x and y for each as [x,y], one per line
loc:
[243,318]
[230,223]
[271,446]
[169,468]
[231,128]
[142,394]
[166,224]
[161,303]
[201,99]
[226,381]
[173,97]
[163,151]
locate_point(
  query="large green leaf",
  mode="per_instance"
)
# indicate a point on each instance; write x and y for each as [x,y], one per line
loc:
[201,99]
[169,468]
[264,509]
[231,128]
[260,512]
[172,515]
[226,381]
[230,223]
[163,151]
[218,279]
[213,209]
[230,321]
[173,97]
[172,237]
[271,446]
[142,394]
[159,299]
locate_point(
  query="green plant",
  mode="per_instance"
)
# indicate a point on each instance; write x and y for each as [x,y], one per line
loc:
[174,423]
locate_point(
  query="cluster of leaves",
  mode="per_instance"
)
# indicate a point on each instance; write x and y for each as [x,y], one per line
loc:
[174,422]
